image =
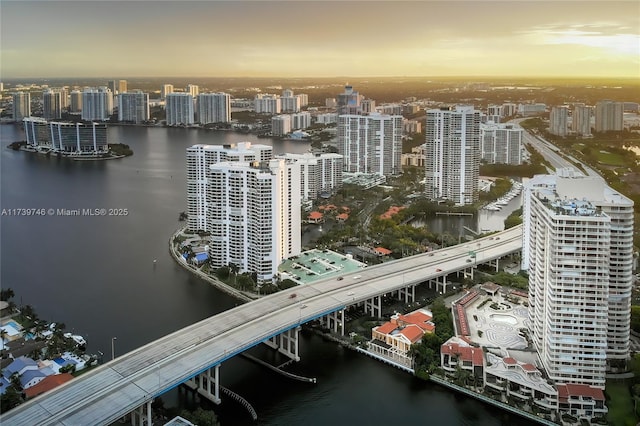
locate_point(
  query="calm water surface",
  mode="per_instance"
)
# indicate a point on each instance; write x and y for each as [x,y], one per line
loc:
[96,275]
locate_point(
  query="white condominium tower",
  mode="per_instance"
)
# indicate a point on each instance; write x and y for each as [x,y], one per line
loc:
[558,121]
[253,211]
[97,104]
[133,107]
[179,109]
[578,249]
[199,159]
[581,120]
[165,90]
[501,143]
[609,116]
[370,144]
[320,173]
[214,108]
[53,102]
[452,154]
[21,105]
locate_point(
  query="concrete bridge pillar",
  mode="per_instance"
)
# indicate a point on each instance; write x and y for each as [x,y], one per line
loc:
[374,306]
[286,343]
[207,384]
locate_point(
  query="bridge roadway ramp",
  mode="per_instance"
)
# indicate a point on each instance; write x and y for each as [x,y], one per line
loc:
[111,391]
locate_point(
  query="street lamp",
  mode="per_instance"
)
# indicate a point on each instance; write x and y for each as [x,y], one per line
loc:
[113,348]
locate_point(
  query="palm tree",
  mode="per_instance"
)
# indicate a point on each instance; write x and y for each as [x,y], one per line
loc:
[234,270]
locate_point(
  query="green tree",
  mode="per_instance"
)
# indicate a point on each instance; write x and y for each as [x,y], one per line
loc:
[201,417]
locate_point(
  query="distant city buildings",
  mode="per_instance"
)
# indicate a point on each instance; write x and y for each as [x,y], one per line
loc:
[559,121]
[179,109]
[53,104]
[75,138]
[349,102]
[581,120]
[214,108]
[452,154]
[501,143]
[370,144]
[609,116]
[21,105]
[97,104]
[578,250]
[165,90]
[133,107]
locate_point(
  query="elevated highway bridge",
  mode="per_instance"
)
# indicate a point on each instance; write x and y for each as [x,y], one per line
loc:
[131,382]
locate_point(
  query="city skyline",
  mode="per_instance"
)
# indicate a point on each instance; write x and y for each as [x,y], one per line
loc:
[319,39]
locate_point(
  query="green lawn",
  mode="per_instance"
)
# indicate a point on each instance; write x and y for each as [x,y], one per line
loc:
[610,158]
[620,404]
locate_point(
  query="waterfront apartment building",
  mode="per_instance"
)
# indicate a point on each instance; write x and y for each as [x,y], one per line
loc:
[452,154]
[52,104]
[97,104]
[179,109]
[581,120]
[609,116]
[199,159]
[320,173]
[301,120]
[289,102]
[265,103]
[133,107]
[253,215]
[193,90]
[214,108]
[501,143]
[75,105]
[578,249]
[370,144]
[165,90]
[558,121]
[21,106]
[75,138]
[281,125]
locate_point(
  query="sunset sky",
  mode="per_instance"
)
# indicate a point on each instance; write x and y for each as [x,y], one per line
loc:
[319,38]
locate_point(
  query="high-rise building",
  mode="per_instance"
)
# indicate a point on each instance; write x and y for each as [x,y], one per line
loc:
[349,102]
[76,101]
[165,90]
[214,108]
[265,103]
[66,137]
[578,249]
[452,154]
[609,116]
[558,121]
[179,109]
[122,86]
[254,215]
[280,125]
[133,107]
[581,120]
[97,104]
[199,159]
[370,144]
[290,103]
[501,143]
[320,173]
[193,90]
[21,105]
[52,104]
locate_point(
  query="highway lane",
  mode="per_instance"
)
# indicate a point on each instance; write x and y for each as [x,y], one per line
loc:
[104,395]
